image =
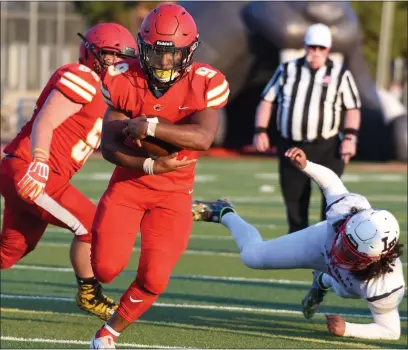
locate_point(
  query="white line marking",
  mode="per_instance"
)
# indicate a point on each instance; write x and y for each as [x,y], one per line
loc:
[267,189]
[267,176]
[42,268]
[239,331]
[202,178]
[60,230]
[195,327]
[187,252]
[105,176]
[182,277]
[278,199]
[349,177]
[192,306]
[55,229]
[81,342]
[97,176]
[239,279]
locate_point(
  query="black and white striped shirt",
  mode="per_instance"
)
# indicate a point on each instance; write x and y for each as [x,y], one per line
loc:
[309,101]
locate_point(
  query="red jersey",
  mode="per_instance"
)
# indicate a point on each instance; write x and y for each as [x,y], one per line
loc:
[77,137]
[125,87]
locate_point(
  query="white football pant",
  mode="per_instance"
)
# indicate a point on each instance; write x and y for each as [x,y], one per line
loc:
[301,249]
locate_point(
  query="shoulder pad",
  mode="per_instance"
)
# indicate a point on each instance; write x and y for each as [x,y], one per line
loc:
[77,82]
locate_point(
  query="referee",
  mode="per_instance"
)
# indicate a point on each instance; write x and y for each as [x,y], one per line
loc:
[309,97]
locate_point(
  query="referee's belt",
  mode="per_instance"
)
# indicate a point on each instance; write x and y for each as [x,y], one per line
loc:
[309,142]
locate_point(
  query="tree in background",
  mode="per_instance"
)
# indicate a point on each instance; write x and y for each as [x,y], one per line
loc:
[128,13]
[369,15]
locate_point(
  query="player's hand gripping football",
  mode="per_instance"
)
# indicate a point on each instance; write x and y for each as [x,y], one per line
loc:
[166,164]
[297,157]
[34,181]
[137,128]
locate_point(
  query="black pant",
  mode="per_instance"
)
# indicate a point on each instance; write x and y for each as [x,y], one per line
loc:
[296,186]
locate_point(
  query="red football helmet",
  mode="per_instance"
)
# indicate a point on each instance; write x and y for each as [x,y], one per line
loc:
[167,41]
[105,38]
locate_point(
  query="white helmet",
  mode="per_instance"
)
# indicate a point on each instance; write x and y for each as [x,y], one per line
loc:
[364,238]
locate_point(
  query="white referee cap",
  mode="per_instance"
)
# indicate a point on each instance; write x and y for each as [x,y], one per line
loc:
[318,35]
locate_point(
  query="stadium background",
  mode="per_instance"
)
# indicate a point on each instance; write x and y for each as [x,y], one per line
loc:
[210,290]
[246,41]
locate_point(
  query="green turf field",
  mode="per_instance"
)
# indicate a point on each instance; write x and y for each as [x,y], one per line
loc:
[212,301]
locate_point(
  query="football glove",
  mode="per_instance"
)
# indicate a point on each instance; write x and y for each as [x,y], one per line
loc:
[34,181]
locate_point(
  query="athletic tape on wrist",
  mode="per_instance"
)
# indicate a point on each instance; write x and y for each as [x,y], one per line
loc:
[151,126]
[148,166]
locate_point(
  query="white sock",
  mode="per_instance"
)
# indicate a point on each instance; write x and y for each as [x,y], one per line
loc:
[326,280]
[111,330]
[242,231]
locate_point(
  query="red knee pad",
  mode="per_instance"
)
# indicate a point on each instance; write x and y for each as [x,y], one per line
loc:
[105,272]
[154,274]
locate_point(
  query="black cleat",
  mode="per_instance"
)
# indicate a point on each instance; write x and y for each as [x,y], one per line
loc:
[313,299]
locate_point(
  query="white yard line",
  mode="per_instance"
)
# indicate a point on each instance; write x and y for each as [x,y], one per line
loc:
[81,342]
[278,199]
[195,327]
[192,306]
[187,252]
[183,277]
[349,177]
[105,176]
[239,331]
[60,230]
[264,199]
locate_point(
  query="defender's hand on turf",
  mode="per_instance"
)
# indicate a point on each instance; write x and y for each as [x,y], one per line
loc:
[137,128]
[34,181]
[336,324]
[297,157]
[166,164]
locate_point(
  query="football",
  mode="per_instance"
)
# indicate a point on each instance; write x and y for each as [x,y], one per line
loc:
[151,146]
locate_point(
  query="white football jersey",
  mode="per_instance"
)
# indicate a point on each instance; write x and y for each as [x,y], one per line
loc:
[383,293]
